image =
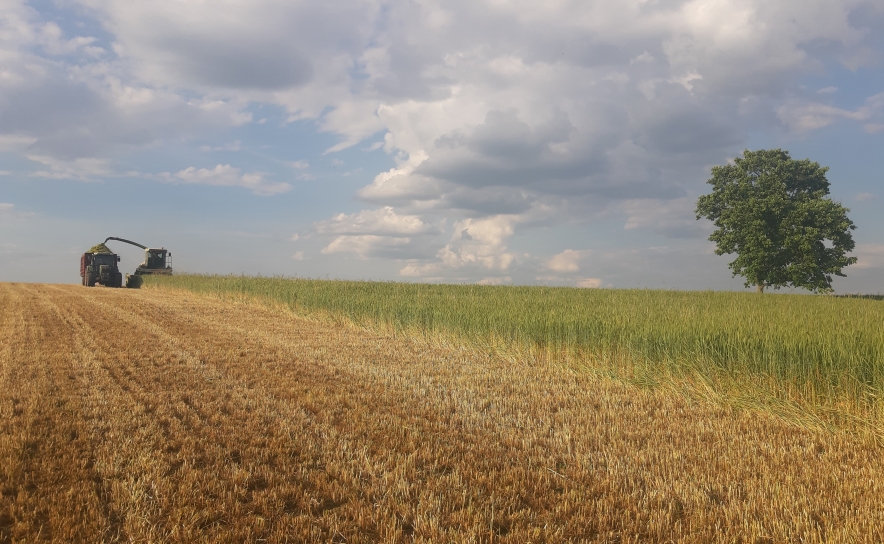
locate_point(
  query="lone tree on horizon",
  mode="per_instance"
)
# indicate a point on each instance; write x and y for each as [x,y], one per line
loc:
[774,212]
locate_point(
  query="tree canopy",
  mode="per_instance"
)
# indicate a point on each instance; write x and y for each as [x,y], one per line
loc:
[774,212]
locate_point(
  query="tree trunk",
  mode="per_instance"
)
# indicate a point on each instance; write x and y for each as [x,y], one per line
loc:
[759,288]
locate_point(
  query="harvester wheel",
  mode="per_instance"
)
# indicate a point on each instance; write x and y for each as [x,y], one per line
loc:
[90,280]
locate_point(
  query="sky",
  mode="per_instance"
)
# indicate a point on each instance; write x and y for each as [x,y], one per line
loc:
[494,142]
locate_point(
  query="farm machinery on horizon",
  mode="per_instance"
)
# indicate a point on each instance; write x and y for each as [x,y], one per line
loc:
[98,266]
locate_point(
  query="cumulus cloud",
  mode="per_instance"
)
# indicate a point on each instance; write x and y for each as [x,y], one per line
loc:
[15,142]
[83,169]
[568,260]
[567,264]
[477,245]
[224,175]
[590,283]
[379,232]
[66,98]
[805,116]
[495,281]
[372,245]
[383,221]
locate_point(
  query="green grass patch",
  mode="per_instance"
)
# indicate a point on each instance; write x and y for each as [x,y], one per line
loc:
[816,348]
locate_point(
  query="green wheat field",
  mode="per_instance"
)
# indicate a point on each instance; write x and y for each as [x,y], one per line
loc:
[819,354]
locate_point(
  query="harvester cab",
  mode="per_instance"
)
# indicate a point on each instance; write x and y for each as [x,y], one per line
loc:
[157,259]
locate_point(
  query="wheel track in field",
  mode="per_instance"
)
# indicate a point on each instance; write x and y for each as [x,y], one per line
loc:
[176,416]
[61,442]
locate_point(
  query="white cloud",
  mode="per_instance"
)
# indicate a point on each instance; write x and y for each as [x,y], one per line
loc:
[376,233]
[51,38]
[568,260]
[495,281]
[68,103]
[6,207]
[592,283]
[224,175]
[83,169]
[371,245]
[478,244]
[357,119]
[382,221]
[865,197]
[802,116]
[15,142]
[298,256]
[806,117]
[644,57]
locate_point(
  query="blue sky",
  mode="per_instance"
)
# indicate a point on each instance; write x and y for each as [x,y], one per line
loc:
[556,143]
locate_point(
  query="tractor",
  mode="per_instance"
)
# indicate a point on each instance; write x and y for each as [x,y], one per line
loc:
[100,267]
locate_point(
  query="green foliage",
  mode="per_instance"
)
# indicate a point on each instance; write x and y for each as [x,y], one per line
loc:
[774,213]
[834,344]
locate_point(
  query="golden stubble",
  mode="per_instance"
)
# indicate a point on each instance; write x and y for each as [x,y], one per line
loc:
[158,416]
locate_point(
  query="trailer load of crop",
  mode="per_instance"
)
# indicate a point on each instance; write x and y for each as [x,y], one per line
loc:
[99,248]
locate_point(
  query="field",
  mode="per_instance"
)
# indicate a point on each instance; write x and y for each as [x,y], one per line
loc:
[815,358]
[164,415]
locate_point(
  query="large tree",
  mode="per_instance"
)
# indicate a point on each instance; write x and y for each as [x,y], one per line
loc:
[774,212]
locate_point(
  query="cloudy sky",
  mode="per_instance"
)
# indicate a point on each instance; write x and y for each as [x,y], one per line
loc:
[558,142]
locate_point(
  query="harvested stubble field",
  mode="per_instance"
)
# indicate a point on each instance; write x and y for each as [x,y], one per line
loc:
[164,416]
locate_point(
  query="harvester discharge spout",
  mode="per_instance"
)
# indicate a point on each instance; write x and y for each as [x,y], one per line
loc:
[124,240]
